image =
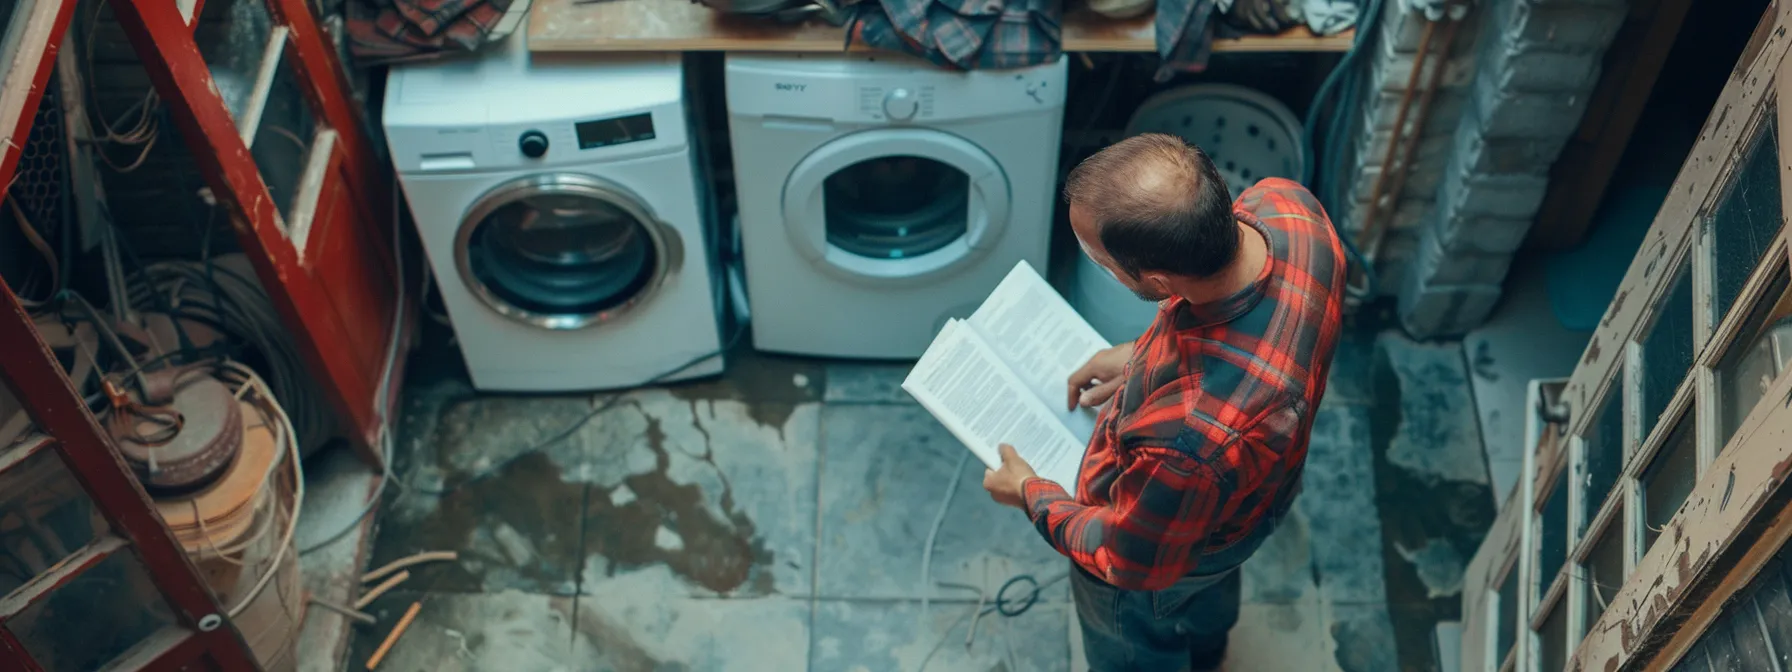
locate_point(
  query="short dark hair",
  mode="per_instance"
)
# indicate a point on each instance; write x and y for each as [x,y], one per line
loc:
[1159,204]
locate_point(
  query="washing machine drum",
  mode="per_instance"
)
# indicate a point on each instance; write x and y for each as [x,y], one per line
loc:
[559,254]
[896,206]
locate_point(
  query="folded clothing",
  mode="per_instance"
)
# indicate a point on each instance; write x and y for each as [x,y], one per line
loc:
[1184,33]
[963,34]
[1329,17]
[396,30]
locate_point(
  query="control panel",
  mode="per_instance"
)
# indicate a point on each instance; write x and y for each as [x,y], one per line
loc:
[883,91]
[896,102]
[589,134]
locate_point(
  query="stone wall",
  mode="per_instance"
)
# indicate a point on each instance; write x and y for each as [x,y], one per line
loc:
[1512,92]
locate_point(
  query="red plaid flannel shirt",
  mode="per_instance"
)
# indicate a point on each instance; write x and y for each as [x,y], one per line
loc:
[1210,429]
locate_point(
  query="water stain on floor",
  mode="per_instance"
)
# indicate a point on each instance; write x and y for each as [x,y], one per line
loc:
[519,520]
[721,555]
[770,384]
[1418,507]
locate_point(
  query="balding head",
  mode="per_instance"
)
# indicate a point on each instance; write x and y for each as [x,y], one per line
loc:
[1155,203]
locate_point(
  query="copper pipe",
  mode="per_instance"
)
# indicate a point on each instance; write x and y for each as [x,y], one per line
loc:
[1373,212]
[407,561]
[1412,146]
[381,589]
[357,616]
[404,623]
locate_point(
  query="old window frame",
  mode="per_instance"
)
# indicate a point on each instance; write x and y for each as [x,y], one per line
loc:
[1733,484]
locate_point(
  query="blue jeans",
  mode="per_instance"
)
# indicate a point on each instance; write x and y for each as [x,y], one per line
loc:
[1163,630]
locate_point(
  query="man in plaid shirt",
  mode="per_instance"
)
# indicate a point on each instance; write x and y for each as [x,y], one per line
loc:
[1198,453]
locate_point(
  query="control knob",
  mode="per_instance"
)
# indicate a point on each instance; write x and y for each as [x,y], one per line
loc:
[901,104]
[533,144]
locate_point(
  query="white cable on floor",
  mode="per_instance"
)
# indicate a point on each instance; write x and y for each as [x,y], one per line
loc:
[283,432]
[934,532]
[386,444]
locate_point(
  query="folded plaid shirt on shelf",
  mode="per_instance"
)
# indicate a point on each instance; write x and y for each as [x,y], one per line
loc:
[963,34]
[397,30]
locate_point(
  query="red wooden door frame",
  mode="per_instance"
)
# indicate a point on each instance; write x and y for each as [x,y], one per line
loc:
[204,639]
[295,281]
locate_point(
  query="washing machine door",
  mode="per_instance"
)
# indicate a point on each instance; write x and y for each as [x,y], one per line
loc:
[895,205]
[564,251]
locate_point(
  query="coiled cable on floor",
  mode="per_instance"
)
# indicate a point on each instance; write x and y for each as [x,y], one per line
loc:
[1002,604]
[383,391]
[233,303]
[286,454]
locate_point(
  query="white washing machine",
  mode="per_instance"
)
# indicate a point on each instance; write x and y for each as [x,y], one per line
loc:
[562,206]
[881,195]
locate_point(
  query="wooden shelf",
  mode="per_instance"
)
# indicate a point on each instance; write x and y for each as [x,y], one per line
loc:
[683,25]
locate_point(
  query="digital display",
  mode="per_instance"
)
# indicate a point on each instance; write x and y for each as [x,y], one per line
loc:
[614,131]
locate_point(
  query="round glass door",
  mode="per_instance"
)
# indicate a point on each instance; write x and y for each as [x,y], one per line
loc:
[895,205]
[562,252]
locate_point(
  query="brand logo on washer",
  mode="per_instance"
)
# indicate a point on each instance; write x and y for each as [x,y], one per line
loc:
[783,86]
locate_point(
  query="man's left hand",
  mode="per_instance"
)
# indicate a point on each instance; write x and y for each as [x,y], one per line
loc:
[1005,484]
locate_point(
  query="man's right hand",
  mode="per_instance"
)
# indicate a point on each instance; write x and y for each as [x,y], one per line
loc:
[1095,383]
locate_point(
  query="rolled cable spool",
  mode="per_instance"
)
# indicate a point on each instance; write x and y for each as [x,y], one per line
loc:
[211,521]
[238,527]
[183,435]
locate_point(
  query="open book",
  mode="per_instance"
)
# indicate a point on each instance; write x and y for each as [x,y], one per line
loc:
[999,377]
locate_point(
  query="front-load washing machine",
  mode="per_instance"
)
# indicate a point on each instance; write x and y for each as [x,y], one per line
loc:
[881,196]
[562,207]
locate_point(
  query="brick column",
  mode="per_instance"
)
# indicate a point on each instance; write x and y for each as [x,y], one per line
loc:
[1514,91]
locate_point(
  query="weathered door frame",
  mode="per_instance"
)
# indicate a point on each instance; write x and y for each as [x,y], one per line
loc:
[200,637]
[1736,515]
[328,261]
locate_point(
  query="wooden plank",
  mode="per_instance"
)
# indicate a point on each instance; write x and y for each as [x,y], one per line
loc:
[682,25]
[19,452]
[40,586]
[1578,180]
[1759,556]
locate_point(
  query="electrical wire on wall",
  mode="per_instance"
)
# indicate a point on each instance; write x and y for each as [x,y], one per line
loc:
[1326,136]
[140,121]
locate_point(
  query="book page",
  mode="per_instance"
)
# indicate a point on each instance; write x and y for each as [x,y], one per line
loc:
[1041,339]
[961,381]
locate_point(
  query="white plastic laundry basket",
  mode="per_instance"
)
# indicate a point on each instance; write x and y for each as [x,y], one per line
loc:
[1248,134]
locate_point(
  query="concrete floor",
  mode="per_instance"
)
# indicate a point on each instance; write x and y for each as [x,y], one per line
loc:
[774,519]
[1522,341]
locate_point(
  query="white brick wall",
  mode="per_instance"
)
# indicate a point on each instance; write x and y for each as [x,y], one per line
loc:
[1514,89]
